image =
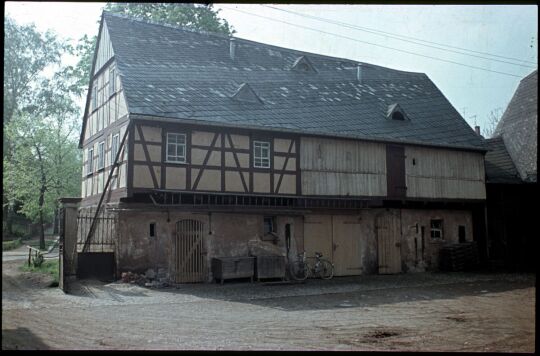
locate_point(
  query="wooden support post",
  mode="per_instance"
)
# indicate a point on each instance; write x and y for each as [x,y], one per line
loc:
[114,166]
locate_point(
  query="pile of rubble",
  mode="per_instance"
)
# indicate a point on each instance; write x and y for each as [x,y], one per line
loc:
[148,279]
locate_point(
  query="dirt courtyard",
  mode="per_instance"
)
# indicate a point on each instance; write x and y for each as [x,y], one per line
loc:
[410,312]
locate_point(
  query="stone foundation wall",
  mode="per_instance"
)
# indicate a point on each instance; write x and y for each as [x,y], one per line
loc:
[235,234]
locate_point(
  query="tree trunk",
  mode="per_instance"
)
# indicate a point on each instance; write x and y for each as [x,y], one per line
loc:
[41,227]
[56,221]
[42,190]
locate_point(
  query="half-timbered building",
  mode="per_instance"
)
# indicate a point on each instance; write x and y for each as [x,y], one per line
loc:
[199,145]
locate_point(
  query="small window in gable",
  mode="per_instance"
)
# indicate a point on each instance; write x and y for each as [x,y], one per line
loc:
[245,93]
[94,96]
[112,81]
[395,112]
[90,162]
[398,116]
[101,155]
[302,64]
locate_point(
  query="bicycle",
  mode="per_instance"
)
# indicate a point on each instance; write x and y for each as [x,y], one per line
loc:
[301,269]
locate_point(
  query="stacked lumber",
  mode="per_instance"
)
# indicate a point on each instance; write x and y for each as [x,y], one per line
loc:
[459,257]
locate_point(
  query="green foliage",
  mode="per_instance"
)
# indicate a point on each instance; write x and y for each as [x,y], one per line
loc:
[80,73]
[197,17]
[45,162]
[11,245]
[40,125]
[49,267]
[27,53]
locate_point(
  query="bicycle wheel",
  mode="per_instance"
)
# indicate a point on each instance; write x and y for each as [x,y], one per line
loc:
[299,271]
[326,270]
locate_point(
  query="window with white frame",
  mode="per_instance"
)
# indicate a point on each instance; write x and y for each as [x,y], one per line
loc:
[114,147]
[94,96]
[90,161]
[261,154]
[98,121]
[437,229]
[101,155]
[112,81]
[176,147]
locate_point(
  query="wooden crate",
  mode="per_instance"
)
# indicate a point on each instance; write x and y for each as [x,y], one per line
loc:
[233,267]
[270,267]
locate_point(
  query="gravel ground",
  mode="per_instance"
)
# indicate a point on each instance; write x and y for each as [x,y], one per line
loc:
[410,312]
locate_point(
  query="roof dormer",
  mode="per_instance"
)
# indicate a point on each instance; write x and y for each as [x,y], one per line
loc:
[246,94]
[395,112]
[303,64]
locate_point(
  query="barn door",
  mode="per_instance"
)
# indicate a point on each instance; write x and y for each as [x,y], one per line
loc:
[347,245]
[190,253]
[318,235]
[388,227]
[395,169]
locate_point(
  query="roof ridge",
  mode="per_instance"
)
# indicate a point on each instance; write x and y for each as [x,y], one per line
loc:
[529,75]
[251,42]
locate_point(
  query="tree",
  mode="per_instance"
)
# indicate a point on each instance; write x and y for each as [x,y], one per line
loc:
[41,159]
[493,119]
[27,53]
[198,17]
[45,162]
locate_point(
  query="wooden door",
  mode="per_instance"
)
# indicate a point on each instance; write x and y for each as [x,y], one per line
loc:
[395,172]
[347,245]
[318,235]
[190,253]
[388,227]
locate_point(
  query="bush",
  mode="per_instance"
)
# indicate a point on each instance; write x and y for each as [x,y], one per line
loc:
[11,245]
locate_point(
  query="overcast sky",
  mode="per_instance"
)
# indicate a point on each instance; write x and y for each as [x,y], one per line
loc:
[506,35]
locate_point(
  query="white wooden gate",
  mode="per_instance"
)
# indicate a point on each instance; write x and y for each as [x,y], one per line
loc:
[190,253]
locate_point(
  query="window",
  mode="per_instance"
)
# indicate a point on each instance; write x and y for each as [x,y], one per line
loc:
[152,230]
[94,97]
[461,234]
[269,225]
[114,147]
[112,81]
[90,162]
[398,116]
[436,229]
[176,148]
[261,154]
[101,155]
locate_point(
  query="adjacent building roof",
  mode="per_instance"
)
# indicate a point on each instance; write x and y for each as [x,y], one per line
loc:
[176,73]
[499,165]
[519,126]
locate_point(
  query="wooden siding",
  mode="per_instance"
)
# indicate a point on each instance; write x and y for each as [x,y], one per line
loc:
[105,49]
[339,167]
[93,184]
[110,108]
[439,173]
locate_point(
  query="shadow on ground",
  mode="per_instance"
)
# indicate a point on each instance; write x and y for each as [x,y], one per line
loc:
[21,339]
[340,292]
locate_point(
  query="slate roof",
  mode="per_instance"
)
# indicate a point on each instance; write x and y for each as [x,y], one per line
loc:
[499,165]
[177,73]
[519,126]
